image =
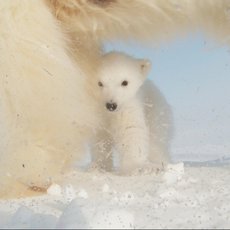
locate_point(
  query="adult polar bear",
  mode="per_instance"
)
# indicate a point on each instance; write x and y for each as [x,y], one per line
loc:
[44,107]
[48,50]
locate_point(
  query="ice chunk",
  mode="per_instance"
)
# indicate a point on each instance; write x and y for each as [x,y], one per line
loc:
[174,173]
[72,217]
[25,218]
[21,219]
[55,190]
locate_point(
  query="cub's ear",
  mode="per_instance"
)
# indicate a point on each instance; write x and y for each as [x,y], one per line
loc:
[145,66]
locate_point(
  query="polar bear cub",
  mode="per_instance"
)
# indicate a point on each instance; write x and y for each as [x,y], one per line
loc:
[136,117]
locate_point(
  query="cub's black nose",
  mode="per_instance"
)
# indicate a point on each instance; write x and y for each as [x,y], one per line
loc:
[111,106]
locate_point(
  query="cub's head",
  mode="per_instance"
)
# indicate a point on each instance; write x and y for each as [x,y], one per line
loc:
[119,79]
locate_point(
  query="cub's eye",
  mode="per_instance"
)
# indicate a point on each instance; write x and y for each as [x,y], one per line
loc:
[100,84]
[124,83]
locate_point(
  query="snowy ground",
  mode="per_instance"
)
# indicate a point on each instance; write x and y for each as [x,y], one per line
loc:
[194,195]
[182,197]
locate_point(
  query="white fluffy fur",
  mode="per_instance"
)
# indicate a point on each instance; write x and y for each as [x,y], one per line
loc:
[138,128]
[45,109]
[152,20]
[49,49]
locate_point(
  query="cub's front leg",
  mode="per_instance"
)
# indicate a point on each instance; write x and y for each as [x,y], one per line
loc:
[101,150]
[131,138]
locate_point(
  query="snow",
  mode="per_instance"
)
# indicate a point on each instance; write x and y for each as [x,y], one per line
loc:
[181,197]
